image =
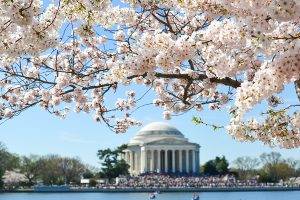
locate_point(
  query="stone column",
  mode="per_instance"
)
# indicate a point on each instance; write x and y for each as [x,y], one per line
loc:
[166,161]
[142,160]
[173,161]
[146,161]
[187,161]
[180,160]
[158,161]
[152,161]
[194,161]
[197,162]
[125,158]
[136,160]
[128,158]
[131,162]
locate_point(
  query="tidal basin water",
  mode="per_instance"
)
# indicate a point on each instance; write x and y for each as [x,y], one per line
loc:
[290,195]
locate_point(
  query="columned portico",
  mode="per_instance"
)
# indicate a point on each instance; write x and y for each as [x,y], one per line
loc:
[161,148]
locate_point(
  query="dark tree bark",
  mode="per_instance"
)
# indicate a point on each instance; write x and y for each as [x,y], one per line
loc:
[297,88]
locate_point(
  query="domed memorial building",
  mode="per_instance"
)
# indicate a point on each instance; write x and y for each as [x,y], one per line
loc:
[159,147]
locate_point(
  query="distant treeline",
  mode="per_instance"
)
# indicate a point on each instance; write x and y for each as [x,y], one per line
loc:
[49,169]
[269,167]
[57,170]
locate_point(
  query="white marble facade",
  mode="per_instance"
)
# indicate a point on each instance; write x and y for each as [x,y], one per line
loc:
[159,147]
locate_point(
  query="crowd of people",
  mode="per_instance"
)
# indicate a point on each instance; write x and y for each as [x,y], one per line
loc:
[169,181]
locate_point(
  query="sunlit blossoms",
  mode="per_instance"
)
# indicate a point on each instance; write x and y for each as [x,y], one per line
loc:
[189,54]
[13,178]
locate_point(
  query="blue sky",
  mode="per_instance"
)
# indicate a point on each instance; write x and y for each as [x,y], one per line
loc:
[37,132]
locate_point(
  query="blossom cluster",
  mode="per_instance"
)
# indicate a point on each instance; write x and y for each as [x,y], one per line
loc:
[193,54]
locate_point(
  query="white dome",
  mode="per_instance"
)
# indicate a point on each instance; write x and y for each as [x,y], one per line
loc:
[156,131]
[158,128]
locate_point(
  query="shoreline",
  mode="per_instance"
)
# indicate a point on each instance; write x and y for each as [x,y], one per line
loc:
[146,190]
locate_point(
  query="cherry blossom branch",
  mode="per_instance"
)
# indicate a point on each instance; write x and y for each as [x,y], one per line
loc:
[297,88]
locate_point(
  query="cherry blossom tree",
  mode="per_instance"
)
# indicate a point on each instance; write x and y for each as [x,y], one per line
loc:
[12,179]
[192,53]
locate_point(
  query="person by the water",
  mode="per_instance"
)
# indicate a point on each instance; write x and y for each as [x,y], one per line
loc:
[195,197]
